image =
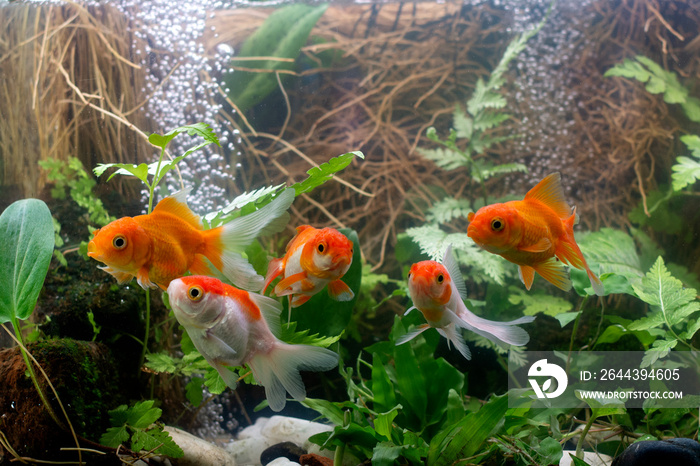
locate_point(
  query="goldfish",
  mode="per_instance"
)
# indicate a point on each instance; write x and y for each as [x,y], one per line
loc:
[163,245]
[437,291]
[534,233]
[232,327]
[313,259]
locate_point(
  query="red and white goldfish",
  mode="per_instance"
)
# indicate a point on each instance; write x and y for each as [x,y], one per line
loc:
[165,244]
[532,232]
[314,258]
[437,290]
[232,327]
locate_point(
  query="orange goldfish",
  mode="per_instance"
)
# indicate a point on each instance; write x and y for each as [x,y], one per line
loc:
[232,327]
[314,258]
[437,290]
[165,244]
[532,232]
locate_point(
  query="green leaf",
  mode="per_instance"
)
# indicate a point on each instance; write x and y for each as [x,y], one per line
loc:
[324,172]
[566,317]
[692,141]
[576,461]
[156,440]
[686,172]
[659,350]
[243,200]
[160,362]
[538,302]
[448,209]
[196,129]
[327,409]
[282,35]
[139,171]
[382,424]
[193,391]
[659,288]
[214,382]
[549,450]
[143,414]
[445,158]
[691,107]
[488,170]
[463,125]
[115,436]
[463,439]
[289,335]
[26,229]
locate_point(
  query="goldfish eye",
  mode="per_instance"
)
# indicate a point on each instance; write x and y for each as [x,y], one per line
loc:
[119,242]
[195,293]
[321,247]
[497,224]
[440,278]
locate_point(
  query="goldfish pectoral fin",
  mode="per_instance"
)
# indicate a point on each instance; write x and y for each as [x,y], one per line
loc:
[230,377]
[454,336]
[122,277]
[270,309]
[278,370]
[299,299]
[541,246]
[527,275]
[340,291]
[550,193]
[144,280]
[410,335]
[286,285]
[201,266]
[274,270]
[555,273]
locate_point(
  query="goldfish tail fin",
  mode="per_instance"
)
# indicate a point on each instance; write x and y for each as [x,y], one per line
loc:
[454,336]
[278,370]
[498,332]
[410,335]
[223,245]
[569,253]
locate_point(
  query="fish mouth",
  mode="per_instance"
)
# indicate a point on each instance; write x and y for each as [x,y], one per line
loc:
[92,251]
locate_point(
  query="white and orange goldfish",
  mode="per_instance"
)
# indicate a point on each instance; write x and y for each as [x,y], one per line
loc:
[437,290]
[314,258]
[532,232]
[165,244]
[232,327]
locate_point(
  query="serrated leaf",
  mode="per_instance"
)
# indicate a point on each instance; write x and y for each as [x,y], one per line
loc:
[686,171]
[488,120]
[156,440]
[244,199]
[289,335]
[325,171]
[609,250]
[448,209]
[463,125]
[488,170]
[691,107]
[445,158]
[160,362]
[214,382]
[692,141]
[143,414]
[537,302]
[659,288]
[659,350]
[115,436]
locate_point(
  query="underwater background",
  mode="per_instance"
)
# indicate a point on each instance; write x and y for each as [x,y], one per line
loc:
[392,122]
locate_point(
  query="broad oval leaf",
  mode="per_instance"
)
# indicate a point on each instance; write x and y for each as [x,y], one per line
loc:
[26,227]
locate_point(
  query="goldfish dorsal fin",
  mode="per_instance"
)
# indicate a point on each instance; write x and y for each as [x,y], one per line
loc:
[550,193]
[176,204]
[270,310]
[452,267]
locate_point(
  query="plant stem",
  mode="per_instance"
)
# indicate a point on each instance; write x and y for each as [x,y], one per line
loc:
[148,328]
[32,375]
[579,445]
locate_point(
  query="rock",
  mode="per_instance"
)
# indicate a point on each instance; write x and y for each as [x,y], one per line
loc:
[311,459]
[590,457]
[282,462]
[87,382]
[253,440]
[199,452]
[288,450]
[676,451]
